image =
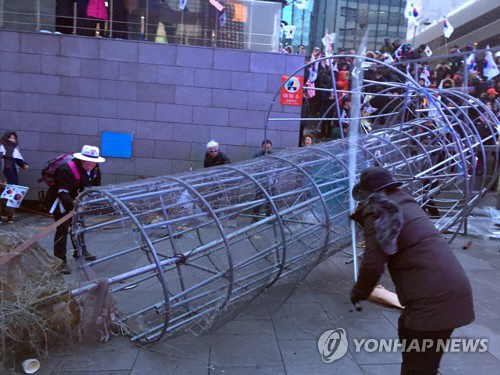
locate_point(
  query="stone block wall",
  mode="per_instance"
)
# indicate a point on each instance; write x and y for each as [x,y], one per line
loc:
[60,92]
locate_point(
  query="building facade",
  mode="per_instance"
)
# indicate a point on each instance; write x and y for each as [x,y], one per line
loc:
[349,19]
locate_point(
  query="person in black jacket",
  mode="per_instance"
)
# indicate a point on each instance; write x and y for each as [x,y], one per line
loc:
[12,159]
[70,180]
[430,282]
[214,156]
[266,148]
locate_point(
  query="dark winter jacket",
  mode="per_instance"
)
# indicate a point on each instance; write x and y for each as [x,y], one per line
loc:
[12,158]
[261,153]
[67,186]
[429,280]
[220,159]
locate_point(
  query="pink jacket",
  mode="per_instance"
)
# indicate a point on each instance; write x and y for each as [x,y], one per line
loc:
[97,9]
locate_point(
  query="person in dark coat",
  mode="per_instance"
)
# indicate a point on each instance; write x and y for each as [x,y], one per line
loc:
[430,282]
[12,159]
[214,156]
[267,148]
[70,180]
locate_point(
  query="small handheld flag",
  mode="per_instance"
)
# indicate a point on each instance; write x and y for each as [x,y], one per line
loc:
[447,28]
[313,69]
[471,62]
[424,76]
[222,18]
[388,58]
[428,51]
[289,31]
[327,41]
[490,68]
[411,12]
[398,54]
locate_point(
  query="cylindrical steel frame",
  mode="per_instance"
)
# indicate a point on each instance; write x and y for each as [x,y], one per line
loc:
[201,234]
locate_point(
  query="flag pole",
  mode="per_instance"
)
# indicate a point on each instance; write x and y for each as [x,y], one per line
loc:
[414,35]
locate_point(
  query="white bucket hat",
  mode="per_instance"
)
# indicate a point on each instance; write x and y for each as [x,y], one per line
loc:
[89,153]
[212,143]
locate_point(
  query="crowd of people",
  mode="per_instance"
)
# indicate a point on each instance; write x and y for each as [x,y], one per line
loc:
[449,73]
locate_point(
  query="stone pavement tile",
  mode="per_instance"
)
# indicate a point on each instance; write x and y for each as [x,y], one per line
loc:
[483,327]
[371,329]
[250,370]
[115,355]
[328,277]
[482,291]
[303,293]
[278,295]
[245,350]
[338,308]
[246,327]
[302,357]
[392,315]
[257,309]
[469,363]
[184,355]
[301,321]
[381,369]
[49,365]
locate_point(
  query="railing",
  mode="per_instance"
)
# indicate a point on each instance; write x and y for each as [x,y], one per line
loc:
[243,24]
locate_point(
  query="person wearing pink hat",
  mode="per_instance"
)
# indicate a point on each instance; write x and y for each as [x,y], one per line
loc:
[69,180]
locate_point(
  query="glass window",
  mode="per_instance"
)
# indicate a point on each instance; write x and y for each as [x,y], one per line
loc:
[348,12]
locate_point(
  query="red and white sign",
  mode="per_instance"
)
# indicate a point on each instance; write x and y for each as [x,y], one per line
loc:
[291,91]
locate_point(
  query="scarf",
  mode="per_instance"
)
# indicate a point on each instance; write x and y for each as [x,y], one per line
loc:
[388,222]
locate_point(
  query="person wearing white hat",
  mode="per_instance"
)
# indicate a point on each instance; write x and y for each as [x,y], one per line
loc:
[69,180]
[214,156]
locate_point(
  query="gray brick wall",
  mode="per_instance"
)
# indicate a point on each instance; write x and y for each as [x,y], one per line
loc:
[61,91]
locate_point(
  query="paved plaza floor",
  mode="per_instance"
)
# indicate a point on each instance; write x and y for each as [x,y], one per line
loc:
[266,339]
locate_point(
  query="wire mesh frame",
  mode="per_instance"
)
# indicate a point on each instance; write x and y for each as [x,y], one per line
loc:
[414,91]
[211,258]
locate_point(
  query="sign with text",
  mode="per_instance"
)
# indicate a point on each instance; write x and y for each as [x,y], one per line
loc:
[291,91]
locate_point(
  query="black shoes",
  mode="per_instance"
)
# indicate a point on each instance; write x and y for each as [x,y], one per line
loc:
[64,269]
[86,255]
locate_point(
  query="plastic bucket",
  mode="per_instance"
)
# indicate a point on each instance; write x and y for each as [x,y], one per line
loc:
[14,194]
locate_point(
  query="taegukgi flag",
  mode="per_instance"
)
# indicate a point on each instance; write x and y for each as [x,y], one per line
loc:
[471,62]
[490,68]
[447,28]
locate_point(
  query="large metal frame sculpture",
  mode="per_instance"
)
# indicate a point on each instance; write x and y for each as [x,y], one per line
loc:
[183,252]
